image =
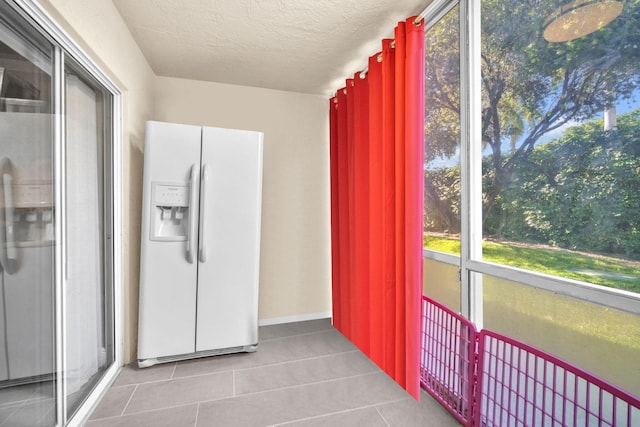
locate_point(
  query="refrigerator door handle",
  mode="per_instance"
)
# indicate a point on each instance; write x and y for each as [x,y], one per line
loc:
[193,194]
[203,208]
[8,250]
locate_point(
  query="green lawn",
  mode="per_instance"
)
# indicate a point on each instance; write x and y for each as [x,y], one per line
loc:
[596,269]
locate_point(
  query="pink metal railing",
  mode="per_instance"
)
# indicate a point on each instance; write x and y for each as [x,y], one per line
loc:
[488,380]
[519,385]
[448,358]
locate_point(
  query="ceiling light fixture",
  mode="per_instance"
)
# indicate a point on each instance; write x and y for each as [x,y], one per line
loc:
[578,18]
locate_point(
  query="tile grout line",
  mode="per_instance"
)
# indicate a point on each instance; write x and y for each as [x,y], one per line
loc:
[255,367]
[374,406]
[19,403]
[311,383]
[147,382]
[173,378]
[299,360]
[301,335]
[146,411]
[315,417]
[199,402]
[134,381]
[173,373]
[129,400]
[10,416]
[175,366]
[34,396]
[382,416]
[197,415]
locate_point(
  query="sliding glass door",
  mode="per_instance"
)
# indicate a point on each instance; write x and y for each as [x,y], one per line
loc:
[27,226]
[88,291]
[57,335]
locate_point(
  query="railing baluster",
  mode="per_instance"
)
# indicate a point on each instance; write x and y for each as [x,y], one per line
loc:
[464,379]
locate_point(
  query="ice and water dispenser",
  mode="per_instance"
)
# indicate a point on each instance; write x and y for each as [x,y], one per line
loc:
[170,212]
[27,219]
[33,214]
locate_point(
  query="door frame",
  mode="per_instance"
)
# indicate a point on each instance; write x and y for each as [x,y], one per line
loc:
[32,11]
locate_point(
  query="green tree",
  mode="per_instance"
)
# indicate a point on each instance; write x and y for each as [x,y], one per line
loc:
[442,88]
[579,192]
[526,79]
[442,200]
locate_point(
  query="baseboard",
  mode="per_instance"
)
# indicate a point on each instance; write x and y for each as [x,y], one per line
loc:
[291,319]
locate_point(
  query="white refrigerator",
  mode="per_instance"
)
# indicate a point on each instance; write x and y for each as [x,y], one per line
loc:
[200,246]
[26,248]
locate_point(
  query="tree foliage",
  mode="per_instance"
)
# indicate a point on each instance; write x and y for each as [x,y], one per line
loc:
[530,86]
[442,88]
[442,200]
[580,192]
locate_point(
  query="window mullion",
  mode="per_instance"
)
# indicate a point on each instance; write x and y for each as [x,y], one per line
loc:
[60,256]
[470,159]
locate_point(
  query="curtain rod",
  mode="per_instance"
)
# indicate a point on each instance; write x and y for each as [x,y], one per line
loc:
[435,10]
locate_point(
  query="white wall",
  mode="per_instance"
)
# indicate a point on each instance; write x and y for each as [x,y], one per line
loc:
[98,28]
[295,274]
[295,264]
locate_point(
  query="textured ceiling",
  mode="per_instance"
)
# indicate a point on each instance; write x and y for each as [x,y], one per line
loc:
[307,46]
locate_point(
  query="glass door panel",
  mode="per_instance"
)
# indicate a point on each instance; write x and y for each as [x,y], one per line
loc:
[88,290]
[442,179]
[442,223]
[27,327]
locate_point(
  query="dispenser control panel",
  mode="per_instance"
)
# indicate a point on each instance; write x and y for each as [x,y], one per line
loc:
[169,211]
[32,195]
[171,195]
[32,214]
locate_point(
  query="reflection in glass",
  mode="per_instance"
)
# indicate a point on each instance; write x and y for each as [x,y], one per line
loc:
[601,340]
[442,135]
[27,362]
[561,163]
[88,334]
[440,283]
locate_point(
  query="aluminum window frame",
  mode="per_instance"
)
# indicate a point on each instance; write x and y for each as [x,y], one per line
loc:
[470,259]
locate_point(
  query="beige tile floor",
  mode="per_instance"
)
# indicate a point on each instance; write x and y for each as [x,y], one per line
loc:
[303,374]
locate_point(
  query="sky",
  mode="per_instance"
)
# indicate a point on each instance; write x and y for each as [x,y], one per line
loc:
[622,106]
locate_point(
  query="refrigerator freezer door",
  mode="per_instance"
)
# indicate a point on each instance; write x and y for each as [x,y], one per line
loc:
[167,279]
[228,277]
[29,314]
[4,362]
[27,259]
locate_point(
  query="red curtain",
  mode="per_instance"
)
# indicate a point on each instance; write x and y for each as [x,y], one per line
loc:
[377,179]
